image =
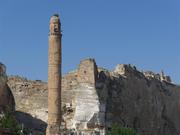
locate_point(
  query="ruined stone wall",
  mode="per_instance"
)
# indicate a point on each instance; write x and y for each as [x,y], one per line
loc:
[87,72]
[69,81]
[127,70]
[161,77]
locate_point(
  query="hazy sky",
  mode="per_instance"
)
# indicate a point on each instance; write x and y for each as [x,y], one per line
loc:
[145,33]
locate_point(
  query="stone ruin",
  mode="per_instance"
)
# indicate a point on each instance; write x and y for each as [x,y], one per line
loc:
[127,70]
[93,99]
[87,72]
[160,77]
[84,113]
[87,110]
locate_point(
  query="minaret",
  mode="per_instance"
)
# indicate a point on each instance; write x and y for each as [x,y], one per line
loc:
[54,77]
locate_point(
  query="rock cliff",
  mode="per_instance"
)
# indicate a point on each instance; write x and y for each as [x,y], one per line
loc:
[31,102]
[93,99]
[6,98]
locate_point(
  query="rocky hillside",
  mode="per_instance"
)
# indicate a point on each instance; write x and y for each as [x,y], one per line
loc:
[31,101]
[93,99]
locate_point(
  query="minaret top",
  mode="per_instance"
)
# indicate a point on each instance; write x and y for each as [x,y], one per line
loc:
[55,25]
[55,19]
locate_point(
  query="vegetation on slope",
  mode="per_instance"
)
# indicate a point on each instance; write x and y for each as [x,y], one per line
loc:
[8,121]
[116,130]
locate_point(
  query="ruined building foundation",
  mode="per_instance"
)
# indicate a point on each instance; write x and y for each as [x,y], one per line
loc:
[54,77]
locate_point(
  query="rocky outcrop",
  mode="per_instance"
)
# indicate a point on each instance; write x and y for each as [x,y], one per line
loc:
[93,99]
[150,105]
[6,97]
[31,102]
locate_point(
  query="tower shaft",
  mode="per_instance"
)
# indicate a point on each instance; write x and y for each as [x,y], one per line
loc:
[54,78]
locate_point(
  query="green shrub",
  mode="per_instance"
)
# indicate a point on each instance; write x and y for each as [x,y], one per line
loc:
[116,130]
[8,121]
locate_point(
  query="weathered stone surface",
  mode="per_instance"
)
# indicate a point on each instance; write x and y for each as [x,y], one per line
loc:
[130,98]
[151,106]
[87,72]
[31,101]
[6,97]
[88,112]
[54,77]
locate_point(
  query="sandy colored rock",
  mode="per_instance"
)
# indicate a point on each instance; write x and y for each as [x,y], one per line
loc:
[87,72]
[140,100]
[54,77]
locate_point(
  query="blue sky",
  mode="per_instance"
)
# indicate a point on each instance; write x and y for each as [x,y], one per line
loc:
[145,33]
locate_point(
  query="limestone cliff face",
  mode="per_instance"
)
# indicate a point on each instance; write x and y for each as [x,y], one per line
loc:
[6,97]
[149,105]
[93,99]
[31,102]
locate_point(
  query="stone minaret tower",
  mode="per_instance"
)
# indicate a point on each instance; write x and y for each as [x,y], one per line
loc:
[54,77]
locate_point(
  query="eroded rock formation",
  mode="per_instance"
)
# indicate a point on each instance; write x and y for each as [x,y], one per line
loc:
[31,102]
[6,97]
[94,98]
